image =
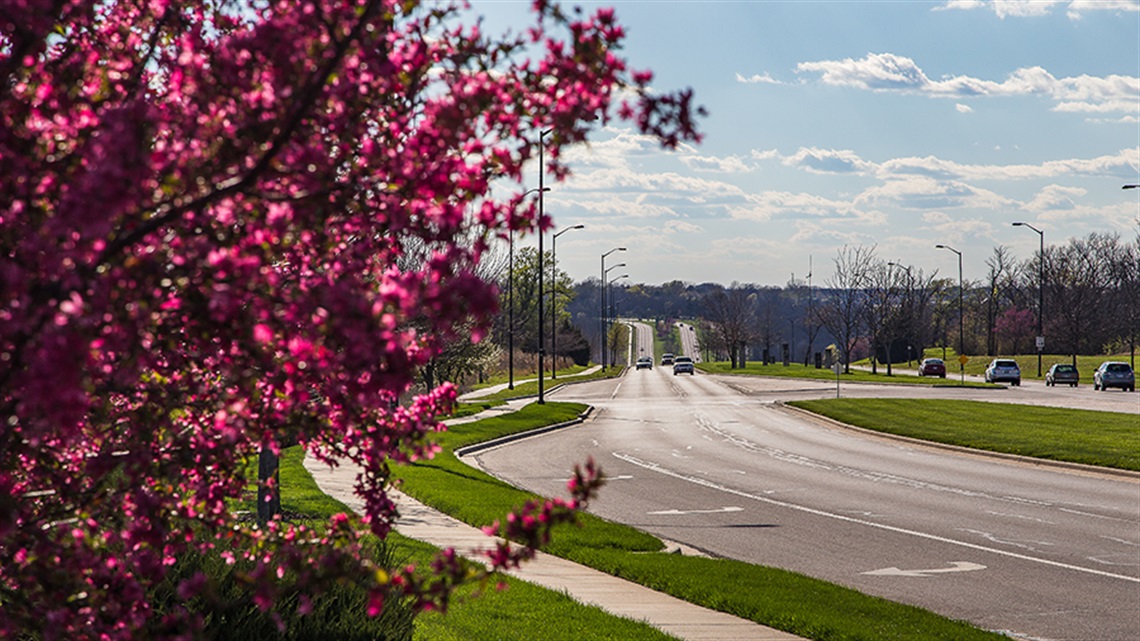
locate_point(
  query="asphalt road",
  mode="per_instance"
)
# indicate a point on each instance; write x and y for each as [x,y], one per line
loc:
[712,462]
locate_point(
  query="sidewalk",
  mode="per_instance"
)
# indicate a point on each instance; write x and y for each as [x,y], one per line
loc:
[493,389]
[616,596]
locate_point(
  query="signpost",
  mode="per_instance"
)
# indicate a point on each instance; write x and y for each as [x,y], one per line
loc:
[962,360]
[838,367]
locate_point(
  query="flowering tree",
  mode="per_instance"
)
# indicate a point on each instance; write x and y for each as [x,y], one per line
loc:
[1015,326]
[202,210]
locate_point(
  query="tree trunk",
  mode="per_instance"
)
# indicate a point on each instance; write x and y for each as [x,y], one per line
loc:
[268,486]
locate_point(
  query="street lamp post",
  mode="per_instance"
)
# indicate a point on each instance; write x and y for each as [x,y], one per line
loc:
[511,301]
[541,212]
[553,297]
[605,309]
[1040,294]
[961,333]
[613,305]
[602,309]
[511,314]
[890,343]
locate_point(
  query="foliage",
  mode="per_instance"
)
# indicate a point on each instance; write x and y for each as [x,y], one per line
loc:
[203,207]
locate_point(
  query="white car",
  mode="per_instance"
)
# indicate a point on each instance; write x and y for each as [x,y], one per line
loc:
[1004,370]
[683,365]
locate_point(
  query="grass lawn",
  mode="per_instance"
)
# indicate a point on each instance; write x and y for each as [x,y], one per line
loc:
[808,607]
[1108,439]
[1026,362]
[523,611]
[798,370]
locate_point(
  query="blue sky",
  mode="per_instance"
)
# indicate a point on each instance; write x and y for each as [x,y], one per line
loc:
[895,124]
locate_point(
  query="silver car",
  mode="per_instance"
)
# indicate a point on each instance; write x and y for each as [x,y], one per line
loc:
[1114,374]
[1004,370]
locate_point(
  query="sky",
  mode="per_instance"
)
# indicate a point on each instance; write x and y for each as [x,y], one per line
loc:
[894,124]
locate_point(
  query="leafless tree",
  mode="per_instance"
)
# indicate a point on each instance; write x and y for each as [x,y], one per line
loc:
[1000,279]
[733,316]
[842,311]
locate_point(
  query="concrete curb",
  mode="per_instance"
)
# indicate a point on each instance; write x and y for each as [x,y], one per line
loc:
[474,448]
[1019,458]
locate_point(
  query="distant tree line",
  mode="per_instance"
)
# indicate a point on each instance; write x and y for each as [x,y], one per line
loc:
[891,312]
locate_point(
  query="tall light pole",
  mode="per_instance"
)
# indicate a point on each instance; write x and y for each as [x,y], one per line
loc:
[961,333]
[511,302]
[553,297]
[605,309]
[890,344]
[1040,294]
[541,211]
[610,294]
[1133,340]
[602,309]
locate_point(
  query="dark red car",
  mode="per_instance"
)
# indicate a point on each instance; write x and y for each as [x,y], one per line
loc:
[932,367]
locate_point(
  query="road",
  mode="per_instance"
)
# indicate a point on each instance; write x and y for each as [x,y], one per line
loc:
[713,462]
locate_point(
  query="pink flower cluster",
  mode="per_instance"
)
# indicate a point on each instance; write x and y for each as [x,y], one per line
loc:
[206,213]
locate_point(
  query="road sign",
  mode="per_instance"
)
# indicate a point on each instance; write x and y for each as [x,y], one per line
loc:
[963,359]
[1040,343]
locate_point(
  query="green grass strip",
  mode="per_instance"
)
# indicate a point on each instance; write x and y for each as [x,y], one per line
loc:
[804,606]
[1107,439]
[797,370]
[521,612]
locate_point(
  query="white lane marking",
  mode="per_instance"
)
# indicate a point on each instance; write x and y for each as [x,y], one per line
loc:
[839,517]
[956,566]
[683,512]
[615,391]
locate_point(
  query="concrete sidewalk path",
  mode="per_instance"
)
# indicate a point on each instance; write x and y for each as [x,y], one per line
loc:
[616,596]
[493,389]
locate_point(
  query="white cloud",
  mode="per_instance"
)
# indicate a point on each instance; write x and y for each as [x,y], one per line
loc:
[1055,198]
[828,161]
[766,205]
[682,227]
[921,192]
[1029,8]
[964,109]
[760,78]
[889,72]
[728,164]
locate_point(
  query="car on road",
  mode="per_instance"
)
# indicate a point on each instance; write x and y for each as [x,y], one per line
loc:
[683,365]
[1114,374]
[1062,373]
[1003,370]
[645,363]
[932,367]
[666,359]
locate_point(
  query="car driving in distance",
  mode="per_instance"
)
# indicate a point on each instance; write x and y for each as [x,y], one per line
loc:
[932,367]
[1114,374]
[645,363]
[1062,373]
[1003,370]
[683,365]
[667,358]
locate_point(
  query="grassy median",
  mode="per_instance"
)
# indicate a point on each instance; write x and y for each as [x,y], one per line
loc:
[798,370]
[1107,439]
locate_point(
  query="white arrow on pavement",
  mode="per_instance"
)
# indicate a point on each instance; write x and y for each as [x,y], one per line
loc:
[957,566]
[716,511]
